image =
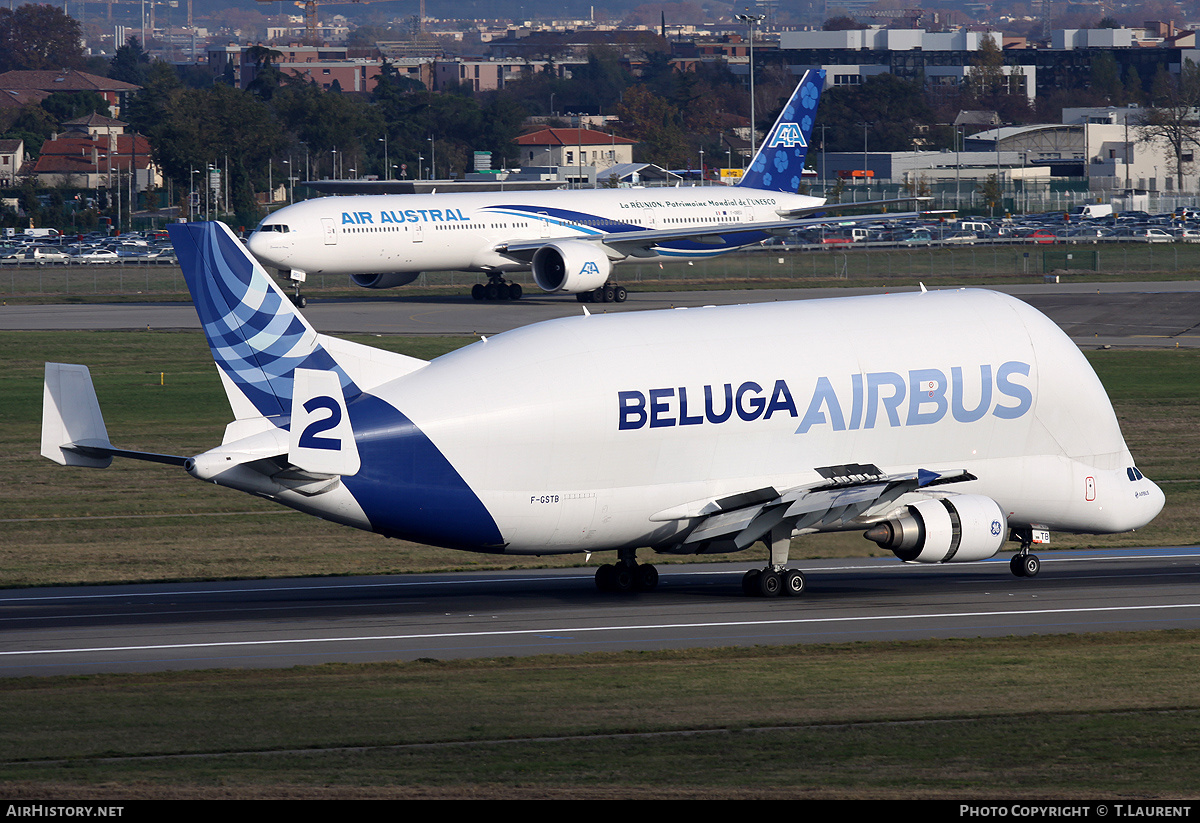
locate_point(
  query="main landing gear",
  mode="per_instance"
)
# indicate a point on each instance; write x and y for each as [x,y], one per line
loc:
[1024,564]
[609,293]
[772,582]
[775,579]
[497,288]
[626,575]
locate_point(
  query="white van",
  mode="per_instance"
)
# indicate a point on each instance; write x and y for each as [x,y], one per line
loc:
[41,234]
[1091,211]
[980,229]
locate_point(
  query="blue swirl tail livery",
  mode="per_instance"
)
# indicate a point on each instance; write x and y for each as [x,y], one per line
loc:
[961,419]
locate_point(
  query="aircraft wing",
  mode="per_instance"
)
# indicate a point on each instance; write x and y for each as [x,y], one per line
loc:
[646,242]
[849,493]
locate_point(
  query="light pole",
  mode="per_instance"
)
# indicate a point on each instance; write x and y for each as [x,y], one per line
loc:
[192,196]
[387,170]
[333,175]
[866,185]
[701,167]
[432,159]
[750,20]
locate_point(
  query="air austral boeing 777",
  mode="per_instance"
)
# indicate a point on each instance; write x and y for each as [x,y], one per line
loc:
[939,424]
[569,239]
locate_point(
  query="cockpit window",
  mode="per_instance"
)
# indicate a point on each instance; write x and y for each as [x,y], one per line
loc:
[1133,474]
[279,227]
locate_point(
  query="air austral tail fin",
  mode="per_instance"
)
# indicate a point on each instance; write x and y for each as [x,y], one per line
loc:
[780,160]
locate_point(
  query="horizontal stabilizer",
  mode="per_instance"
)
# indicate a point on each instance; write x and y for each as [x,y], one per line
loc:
[73,432]
[71,418]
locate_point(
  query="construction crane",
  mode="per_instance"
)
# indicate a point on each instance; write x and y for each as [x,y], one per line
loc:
[310,15]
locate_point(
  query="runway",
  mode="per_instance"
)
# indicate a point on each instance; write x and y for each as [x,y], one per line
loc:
[1153,314]
[279,623]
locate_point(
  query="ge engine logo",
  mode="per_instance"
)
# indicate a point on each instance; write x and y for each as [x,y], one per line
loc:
[996,527]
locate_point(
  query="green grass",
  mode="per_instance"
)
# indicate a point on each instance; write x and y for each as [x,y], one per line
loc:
[1085,716]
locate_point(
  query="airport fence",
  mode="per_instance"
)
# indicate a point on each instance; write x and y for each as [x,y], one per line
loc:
[780,266]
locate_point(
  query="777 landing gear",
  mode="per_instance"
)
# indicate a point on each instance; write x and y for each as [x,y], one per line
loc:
[626,575]
[609,293]
[497,288]
[1024,564]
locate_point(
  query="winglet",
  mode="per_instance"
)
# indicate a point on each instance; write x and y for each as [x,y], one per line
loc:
[779,163]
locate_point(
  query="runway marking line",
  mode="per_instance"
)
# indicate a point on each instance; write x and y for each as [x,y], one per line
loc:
[592,629]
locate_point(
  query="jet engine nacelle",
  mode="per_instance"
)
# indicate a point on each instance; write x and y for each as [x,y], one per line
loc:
[387,280]
[952,529]
[571,267]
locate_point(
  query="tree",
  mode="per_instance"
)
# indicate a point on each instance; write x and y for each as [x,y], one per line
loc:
[654,123]
[40,38]
[1106,79]
[130,64]
[1171,117]
[890,106]
[991,193]
[842,23]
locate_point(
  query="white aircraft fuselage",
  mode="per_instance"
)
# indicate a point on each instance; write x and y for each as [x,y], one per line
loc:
[379,239]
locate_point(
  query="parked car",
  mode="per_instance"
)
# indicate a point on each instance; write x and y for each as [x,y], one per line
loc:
[95,256]
[1041,236]
[1147,236]
[43,255]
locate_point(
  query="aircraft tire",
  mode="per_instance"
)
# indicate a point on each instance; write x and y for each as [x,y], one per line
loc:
[610,294]
[623,578]
[750,582]
[1025,565]
[491,291]
[515,291]
[478,291]
[605,578]
[794,583]
[646,578]
[1030,566]
[503,292]
[620,294]
[770,583]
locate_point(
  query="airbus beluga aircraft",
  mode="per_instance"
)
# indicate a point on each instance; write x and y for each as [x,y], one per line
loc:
[940,425]
[569,239]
